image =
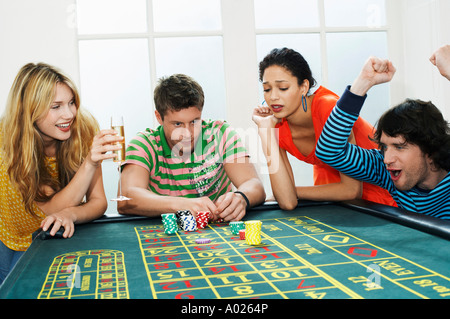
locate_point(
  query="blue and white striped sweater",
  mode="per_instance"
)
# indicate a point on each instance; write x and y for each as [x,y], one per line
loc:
[368,166]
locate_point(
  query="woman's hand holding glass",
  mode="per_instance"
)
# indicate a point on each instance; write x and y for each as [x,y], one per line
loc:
[103,146]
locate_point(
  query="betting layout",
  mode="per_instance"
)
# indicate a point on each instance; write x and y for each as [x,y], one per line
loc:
[87,274]
[298,258]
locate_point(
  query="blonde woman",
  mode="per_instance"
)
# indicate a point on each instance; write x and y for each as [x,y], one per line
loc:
[50,156]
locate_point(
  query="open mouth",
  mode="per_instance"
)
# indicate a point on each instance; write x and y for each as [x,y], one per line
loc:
[276,108]
[395,174]
[64,127]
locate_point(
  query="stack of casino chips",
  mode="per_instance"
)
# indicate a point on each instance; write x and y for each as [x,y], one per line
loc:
[202,219]
[170,223]
[236,227]
[253,232]
[186,220]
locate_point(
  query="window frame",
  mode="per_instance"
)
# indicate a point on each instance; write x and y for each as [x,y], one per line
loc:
[242,87]
[239,31]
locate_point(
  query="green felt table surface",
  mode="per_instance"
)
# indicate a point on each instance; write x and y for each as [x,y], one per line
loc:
[323,250]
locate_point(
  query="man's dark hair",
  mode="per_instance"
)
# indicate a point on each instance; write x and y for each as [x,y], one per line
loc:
[422,124]
[177,92]
[292,61]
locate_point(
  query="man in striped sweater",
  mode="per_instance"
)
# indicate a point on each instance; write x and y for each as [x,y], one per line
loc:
[188,163]
[413,160]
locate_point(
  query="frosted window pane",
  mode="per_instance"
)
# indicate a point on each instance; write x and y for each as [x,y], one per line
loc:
[182,15]
[344,13]
[111,16]
[286,13]
[347,54]
[307,45]
[200,58]
[115,78]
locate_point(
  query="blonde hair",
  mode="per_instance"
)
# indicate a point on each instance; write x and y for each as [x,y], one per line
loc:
[29,100]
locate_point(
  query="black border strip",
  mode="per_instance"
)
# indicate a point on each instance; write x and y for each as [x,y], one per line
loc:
[428,224]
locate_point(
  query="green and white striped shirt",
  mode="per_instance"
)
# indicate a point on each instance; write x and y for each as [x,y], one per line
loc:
[202,174]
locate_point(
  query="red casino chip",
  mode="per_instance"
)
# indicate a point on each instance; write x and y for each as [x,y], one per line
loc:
[202,219]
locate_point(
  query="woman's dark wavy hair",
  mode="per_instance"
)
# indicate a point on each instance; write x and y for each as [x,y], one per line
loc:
[292,61]
[420,123]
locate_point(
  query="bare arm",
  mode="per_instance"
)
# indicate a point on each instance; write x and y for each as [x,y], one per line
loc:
[93,208]
[74,192]
[243,175]
[146,203]
[280,171]
[347,189]
[64,208]
[281,175]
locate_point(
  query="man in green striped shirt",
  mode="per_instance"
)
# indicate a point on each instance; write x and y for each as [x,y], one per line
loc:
[187,162]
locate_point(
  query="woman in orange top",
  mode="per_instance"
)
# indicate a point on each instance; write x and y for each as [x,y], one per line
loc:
[292,121]
[50,155]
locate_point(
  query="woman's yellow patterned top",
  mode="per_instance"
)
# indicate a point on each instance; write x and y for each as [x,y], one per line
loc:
[16,224]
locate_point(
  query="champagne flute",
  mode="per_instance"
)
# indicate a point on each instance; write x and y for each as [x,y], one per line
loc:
[117,125]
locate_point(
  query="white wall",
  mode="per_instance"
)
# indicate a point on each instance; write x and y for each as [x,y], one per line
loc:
[419,27]
[426,28]
[36,31]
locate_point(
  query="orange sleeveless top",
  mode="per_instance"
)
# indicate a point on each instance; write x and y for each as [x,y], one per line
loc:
[323,103]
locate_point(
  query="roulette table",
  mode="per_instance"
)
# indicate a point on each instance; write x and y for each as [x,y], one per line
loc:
[320,250]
